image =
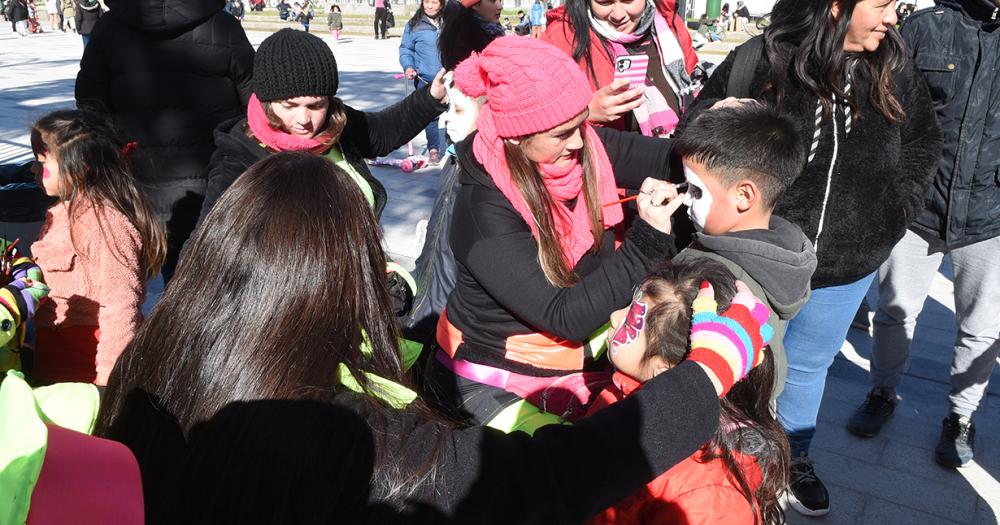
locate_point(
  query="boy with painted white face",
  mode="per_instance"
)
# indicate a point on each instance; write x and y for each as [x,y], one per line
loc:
[738,161]
[435,267]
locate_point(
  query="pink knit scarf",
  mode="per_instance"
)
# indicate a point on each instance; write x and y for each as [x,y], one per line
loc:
[279,140]
[563,184]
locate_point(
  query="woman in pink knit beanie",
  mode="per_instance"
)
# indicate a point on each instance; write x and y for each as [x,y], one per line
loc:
[538,236]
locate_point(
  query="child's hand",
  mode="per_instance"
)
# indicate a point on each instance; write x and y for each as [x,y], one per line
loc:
[437,88]
[730,345]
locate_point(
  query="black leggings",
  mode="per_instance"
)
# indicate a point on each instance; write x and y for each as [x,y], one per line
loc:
[381,17]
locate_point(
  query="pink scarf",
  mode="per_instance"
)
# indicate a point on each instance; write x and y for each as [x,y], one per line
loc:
[563,184]
[279,140]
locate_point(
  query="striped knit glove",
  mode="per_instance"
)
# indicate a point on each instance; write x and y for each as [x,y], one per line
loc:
[20,296]
[728,346]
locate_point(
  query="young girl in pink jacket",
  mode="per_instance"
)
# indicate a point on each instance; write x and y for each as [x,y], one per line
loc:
[99,245]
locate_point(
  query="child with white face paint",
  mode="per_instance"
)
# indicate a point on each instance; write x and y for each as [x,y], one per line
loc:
[738,160]
[435,267]
[460,119]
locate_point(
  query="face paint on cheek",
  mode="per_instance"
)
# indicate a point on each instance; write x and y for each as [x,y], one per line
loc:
[460,125]
[46,173]
[697,198]
[632,325]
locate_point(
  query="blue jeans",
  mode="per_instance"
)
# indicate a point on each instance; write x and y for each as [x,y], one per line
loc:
[813,339]
[86,40]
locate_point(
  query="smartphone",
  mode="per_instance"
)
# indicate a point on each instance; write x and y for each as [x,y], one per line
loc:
[632,68]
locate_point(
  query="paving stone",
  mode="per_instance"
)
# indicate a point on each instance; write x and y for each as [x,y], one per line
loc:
[942,499]
[881,512]
[987,512]
[846,507]
[918,462]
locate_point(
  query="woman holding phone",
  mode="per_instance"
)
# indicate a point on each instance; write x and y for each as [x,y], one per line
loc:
[616,41]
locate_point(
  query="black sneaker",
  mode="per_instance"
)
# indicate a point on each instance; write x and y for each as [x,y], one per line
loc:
[868,419]
[954,449]
[806,493]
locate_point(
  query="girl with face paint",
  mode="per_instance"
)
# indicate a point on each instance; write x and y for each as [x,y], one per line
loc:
[650,336]
[100,243]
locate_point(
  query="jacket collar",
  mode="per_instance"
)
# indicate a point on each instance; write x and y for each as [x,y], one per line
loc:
[982,10]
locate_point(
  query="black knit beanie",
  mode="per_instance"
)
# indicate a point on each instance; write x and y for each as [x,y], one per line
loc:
[291,64]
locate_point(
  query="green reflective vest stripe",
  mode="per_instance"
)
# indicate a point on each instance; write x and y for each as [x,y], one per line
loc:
[337,158]
[24,437]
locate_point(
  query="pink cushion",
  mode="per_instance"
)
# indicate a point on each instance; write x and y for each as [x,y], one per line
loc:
[86,480]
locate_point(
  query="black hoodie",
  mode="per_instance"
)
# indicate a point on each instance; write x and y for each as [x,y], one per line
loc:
[776,263]
[169,72]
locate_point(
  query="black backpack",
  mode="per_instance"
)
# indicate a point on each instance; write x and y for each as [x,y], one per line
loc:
[748,55]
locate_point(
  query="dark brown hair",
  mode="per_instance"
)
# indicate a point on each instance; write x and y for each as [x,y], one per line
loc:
[336,120]
[524,173]
[94,172]
[817,60]
[748,141]
[276,292]
[746,424]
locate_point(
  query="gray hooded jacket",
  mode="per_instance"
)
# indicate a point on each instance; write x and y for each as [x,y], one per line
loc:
[777,264]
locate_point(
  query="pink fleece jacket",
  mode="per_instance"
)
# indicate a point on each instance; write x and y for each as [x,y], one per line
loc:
[92,285]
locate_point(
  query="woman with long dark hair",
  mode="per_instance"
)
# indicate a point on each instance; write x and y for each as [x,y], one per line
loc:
[267,385]
[645,40]
[421,61]
[872,139]
[468,26]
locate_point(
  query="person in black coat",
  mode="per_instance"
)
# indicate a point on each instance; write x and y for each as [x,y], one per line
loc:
[168,77]
[248,395]
[534,282]
[294,108]
[86,15]
[868,124]
[17,11]
[956,46]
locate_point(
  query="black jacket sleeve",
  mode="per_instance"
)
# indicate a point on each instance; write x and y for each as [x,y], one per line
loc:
[495,244]
[566,474]
[241,68]
[93,88]
[227,164]
[635,157]
[379,133]
[921,141]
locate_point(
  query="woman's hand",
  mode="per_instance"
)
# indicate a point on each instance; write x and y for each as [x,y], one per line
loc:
[657,201]
[731,102]
[730,345]
[614,100]
[410,73]
[437,88]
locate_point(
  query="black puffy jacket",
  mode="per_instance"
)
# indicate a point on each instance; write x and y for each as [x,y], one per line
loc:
[956,45]
[169,73]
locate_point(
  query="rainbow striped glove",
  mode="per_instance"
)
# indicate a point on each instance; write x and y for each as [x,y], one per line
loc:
[19,297]
[730,345]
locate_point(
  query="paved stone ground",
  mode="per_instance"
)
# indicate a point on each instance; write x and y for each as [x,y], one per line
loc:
[890,479]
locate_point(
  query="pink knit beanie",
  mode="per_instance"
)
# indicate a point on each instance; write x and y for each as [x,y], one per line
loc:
[530,85]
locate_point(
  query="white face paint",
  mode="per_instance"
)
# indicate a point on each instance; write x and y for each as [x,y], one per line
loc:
[697,198]
[460,119]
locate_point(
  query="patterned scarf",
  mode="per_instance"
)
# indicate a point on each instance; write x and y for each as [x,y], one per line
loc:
[655,117]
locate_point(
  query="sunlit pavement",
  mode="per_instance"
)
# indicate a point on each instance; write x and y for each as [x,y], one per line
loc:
[889,479]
